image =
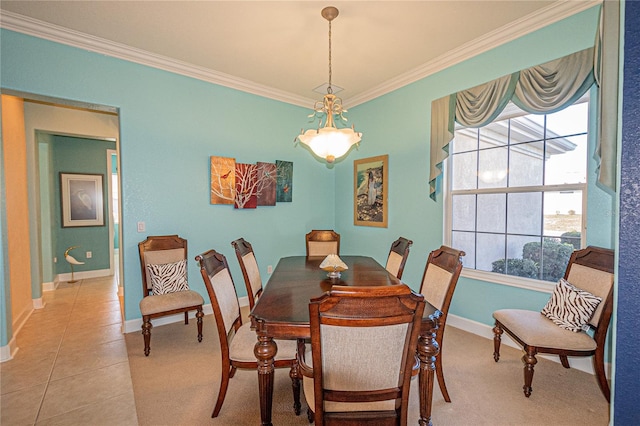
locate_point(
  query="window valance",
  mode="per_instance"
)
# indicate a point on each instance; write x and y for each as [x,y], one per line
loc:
[541,89]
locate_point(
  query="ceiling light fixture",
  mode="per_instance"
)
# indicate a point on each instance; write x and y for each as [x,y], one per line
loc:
[329,142]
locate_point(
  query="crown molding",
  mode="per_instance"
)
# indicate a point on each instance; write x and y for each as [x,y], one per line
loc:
[516,29]
[34,27]
[546,16]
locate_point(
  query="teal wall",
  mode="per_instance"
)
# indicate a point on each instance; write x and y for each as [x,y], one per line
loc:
[47,228]
[398,124]
[116,226]
[86,156]
[170,125]
[6,332]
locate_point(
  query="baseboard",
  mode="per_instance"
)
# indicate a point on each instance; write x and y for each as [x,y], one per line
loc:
[84,275]
[579,363]
[136,324]
[8,351]
[50,286]
[38,303]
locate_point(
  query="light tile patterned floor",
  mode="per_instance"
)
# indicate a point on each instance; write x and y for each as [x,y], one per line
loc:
[71,367]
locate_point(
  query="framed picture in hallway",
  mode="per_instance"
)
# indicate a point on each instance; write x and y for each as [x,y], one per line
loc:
[82,199]
[370,176]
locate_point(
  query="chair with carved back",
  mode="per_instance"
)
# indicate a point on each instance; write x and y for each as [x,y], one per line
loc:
[165,288]
[439,282]
[250,271]
[581,301]
[358,368]
[322,243]
[237,340]
[397,257]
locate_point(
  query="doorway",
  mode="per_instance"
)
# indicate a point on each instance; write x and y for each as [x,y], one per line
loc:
[43,118]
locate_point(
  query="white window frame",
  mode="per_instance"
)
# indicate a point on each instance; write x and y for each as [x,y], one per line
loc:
[494,277]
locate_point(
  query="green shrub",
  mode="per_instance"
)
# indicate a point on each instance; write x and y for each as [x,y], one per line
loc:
[547,263]
[571,237]
[518,267]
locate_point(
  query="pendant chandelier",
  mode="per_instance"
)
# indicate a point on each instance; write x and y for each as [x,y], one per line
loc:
[329,142]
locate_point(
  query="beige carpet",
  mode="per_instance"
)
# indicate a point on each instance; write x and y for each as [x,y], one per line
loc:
[178,385]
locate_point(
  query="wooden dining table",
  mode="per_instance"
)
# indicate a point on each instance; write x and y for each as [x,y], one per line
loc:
[282,312]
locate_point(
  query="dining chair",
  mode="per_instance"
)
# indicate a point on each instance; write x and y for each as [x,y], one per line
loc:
[237,340]
[358,368]
[165,288]
[574,321]
[438,284]
[397,257]
[250,270]
[322,243]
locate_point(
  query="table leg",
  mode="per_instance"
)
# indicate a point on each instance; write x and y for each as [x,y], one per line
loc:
[265,351]
[428,349]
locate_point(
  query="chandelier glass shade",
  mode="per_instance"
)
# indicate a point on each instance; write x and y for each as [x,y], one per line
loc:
[329,142]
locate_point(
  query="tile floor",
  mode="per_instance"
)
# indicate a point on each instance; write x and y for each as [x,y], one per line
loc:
[71,367]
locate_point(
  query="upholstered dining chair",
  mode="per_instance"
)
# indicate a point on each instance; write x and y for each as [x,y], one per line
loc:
[165,288]
[397,257]
[358,367]
[438,284]
[250,270]
[322,243]
[237,340]
[582,301]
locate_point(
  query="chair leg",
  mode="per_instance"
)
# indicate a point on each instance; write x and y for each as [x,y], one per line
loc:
[146,333]
[440,375]
[199,316]
[598,366]
[310,416]
[295,384]
[186,317]
[227,373]
[497,338]
[529,360]
[564,361]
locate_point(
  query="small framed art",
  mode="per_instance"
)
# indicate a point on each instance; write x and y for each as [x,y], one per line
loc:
[370,178]
[82,199]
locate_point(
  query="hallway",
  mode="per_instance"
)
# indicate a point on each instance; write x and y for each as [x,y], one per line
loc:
[71,366]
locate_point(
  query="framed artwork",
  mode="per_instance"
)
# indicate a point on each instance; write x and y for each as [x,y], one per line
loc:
[370,197]
[223,180]
[267,175]
[82,199]
[246,186]
[284,181]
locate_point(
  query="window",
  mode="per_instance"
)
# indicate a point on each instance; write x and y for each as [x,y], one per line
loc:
[516,192]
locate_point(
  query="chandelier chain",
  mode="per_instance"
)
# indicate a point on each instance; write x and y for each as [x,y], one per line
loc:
[329,88]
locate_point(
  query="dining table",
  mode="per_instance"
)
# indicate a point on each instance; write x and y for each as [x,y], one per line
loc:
[282,312]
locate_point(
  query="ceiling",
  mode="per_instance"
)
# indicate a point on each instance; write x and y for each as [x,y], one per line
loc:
[280,48]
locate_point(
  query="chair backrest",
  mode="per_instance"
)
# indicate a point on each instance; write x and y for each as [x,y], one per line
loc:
[398,255]
[322,243]
[592,269]
[250,270]
[363,342]
[156,250]
[222,292]
[440,278]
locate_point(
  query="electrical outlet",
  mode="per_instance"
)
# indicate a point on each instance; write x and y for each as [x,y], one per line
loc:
[89,254]
[269,269]
[141,227]
[55,260]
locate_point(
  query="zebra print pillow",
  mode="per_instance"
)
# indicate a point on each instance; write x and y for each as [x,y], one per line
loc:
[168,277]
[570,307]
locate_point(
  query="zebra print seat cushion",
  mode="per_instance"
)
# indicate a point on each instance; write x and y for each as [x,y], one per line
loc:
[168,277]
[570,307]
